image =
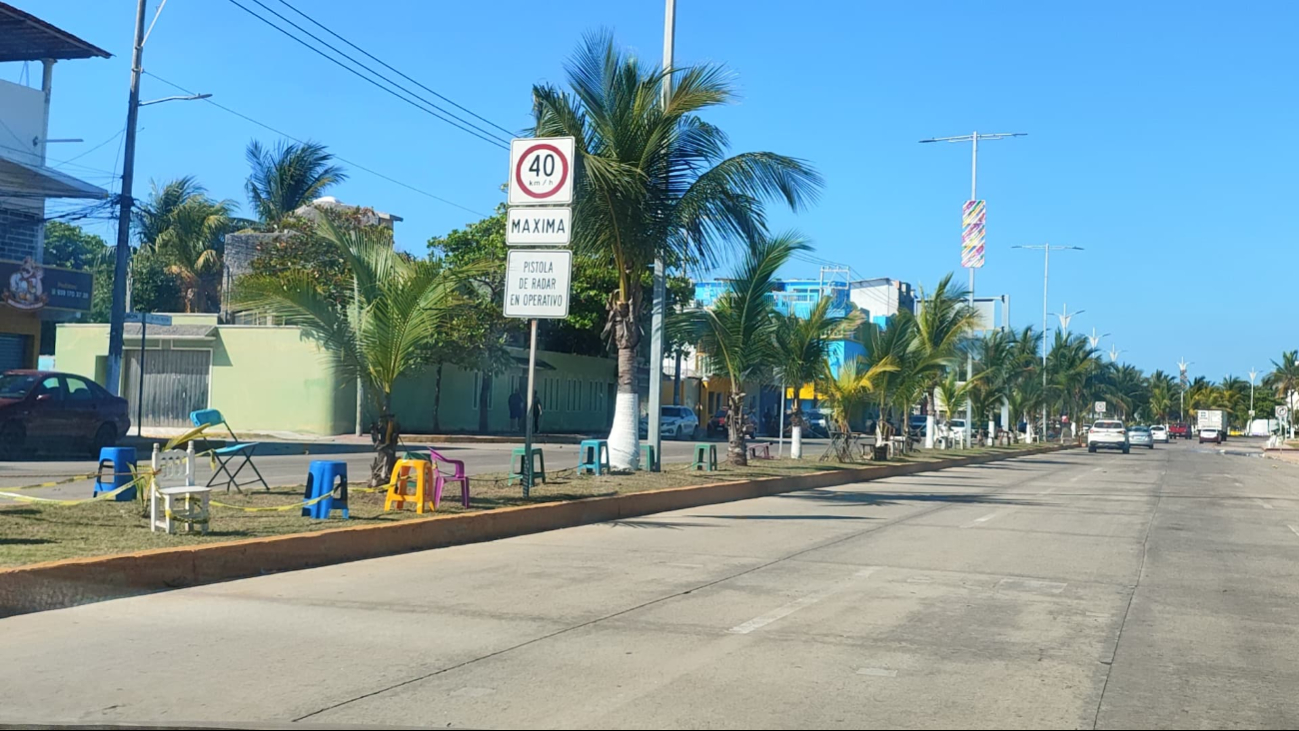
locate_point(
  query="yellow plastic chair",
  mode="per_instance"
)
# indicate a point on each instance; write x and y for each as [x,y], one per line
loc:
[412,481]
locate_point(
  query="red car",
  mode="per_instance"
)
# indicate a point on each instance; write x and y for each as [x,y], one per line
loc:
[1179,431]
[58,412]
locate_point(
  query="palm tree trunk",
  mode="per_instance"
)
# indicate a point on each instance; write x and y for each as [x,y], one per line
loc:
[736,453]
[385,434]
[795,427]
[624,437]
[437,402]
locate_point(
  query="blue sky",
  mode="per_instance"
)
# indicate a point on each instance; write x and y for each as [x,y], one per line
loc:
[1160,133]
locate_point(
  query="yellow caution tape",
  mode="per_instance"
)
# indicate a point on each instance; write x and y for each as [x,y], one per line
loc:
[54,501]
[272,508]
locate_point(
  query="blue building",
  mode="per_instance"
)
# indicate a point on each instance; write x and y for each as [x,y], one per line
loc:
[791,296]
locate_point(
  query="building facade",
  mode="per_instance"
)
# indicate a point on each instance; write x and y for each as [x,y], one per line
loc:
[30,293]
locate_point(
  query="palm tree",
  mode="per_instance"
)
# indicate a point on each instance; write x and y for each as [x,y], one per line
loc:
[378,334]
[994,357]
[848,392]
[653,180]
[890,353]
[952,393]
[1284,380]
[944,321]
[288,177]
[802,347]
[185,229]
[738,333]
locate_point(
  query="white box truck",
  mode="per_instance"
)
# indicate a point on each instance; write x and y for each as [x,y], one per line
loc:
[1212,424]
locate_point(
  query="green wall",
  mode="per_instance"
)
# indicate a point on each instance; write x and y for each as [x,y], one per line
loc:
[268,379]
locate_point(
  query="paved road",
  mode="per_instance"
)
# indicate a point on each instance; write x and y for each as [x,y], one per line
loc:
[292,469]
[1157,589]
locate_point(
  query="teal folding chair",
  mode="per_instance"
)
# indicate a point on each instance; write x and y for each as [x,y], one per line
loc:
[240,453]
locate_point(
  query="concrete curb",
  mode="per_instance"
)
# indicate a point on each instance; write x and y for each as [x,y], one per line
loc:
[60,584]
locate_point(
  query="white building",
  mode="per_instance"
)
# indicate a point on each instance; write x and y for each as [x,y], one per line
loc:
[882,297]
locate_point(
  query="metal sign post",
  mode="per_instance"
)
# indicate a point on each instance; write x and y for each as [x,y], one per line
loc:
[538,282]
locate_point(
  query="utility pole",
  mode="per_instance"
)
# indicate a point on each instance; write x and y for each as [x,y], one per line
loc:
[117,319]
[973,139]
[1065,317]
[659,307]
[1046,250]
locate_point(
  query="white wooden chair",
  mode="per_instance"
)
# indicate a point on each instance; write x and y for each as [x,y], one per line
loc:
[173,496]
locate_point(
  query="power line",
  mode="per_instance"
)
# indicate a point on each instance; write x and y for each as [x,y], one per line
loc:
[60,162]
[456,122]
[96,147]
[390,68]
[354,164]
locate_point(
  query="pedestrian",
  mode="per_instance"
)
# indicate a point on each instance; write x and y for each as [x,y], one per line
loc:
[516,411]
[536,413]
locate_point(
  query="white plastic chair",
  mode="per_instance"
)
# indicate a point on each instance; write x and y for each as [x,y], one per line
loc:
[173,496]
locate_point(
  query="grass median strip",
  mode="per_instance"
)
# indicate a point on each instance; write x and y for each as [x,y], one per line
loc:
[37,532]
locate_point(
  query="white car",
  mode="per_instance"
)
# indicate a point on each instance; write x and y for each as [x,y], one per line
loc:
[1159,433]
[675,422]
[1108,434]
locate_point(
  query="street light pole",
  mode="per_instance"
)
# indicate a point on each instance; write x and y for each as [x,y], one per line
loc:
[973,139]
[1046,250]
[122,260]
[1253,375]
[659,307]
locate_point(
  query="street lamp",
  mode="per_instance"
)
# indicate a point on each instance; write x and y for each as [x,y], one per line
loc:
[1182,365]
[1066,317]
[1095,339]
[184,98]
[973,139]
[1114,353]
[1253,376]
[1046,250]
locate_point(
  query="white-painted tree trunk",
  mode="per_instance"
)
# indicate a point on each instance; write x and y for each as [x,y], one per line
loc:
[931,426]
[624,435]
[992,432]
[796,442]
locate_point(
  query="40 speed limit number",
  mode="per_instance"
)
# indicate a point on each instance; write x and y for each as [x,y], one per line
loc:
[541,171]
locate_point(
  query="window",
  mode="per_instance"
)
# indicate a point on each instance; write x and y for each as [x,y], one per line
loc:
[78,390]
[51,387]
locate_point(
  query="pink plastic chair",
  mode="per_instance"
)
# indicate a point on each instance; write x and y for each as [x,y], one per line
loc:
[457,476]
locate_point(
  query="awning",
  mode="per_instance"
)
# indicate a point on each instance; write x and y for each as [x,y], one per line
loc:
[25,37]
[171,332]
[28,180]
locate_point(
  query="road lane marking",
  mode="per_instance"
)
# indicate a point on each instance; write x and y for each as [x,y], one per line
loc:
[1265,505]
[980,521]
[878,672]
[1294,530]
[778,613]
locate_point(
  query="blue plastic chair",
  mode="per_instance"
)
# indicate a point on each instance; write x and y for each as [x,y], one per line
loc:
[240,453]
[121,460]
[326,477]
[593,457]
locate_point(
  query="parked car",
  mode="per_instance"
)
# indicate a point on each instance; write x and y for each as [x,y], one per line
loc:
[1179,431]
[956,429]
[815,423]
[1108,434]
[918,424]
[58,412]
[1210,435]
[717,426]
[1159,433]
[1140,436]
[675,422]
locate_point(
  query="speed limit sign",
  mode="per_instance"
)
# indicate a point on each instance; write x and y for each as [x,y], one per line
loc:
[541,171]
